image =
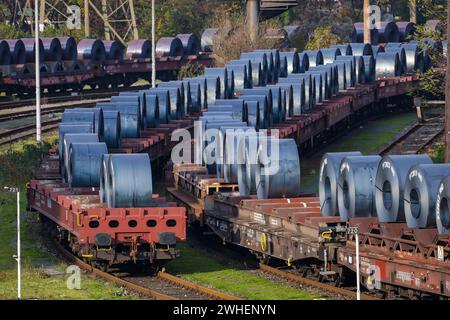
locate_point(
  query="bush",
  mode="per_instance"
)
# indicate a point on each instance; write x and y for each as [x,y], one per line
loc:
[323,37]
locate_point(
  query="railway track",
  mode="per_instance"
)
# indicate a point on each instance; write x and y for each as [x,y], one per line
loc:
[13,135]
[296,278]
[163,286]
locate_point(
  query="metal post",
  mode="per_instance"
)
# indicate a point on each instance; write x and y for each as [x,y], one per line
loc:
[253,19]
[133,21]
[413,11]
[105,19]
[87,28]
[153,47]
[42,16]
[367,23]
[38,71]
[358,286]
[19,289]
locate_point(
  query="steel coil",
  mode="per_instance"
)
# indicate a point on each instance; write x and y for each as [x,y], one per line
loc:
[278,103]
[5,53]
[114,50]
[164,104]
[388,32]
[298,91]
[390,183]
[191,44]
[401,55]
[443,207]
[259,57]
[83,170]
[182,90]
[376,50]
[249,73]
[17,49]
[207,41]
[130,181]
[241,80]
[91,49]
[350,69]
[414,58]
[69,48]
[356,186]
[136,99]
[196,97]
[328,181]
[421,190]
[331,77]
[304,61]
[309,89]
[105,195]
[236,112]
[406,29]
[70,138]
[224,75]
[346,49]
[329,55]
[273,56]
[187,91]
[30,55]
[237,105]
[72,127]
[291,61]
[98,119]
[130,117]
[315,58]
[73,116]
[288,102]
[268,120]
[169,47]
[321,82]
[387,65]
[176,101]
[73,66]
[357,34]
[253,114]
[279,170]
[139,49]
[265,111]
[111,128]
[55,66]
[52,49]
[361,49]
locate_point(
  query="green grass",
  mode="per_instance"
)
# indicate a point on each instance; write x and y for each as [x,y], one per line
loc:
[199,267]
[17,166]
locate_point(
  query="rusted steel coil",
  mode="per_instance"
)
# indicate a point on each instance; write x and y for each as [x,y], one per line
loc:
[114,50]
[5,53]
[420,195]
[52,49]
[191,44]
[30,56]
[69,48]
[207,41]
[139,49]
[17,50]
[328,181]
[390,185]
[169,47]
[91,49]
[84,164]
[356,186]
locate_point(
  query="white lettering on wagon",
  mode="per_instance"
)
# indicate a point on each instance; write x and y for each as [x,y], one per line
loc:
[404,276]
[258,217]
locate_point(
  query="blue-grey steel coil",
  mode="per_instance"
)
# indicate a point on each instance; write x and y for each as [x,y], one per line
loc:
[361,49]
[357,34]
[73,66]
[114,50]
[130,117]
[351,68]
[241,80]
[139,49]
[5,53]
[29,44]
[224,134]
[298,91]
[72,127]
[152,111]
[261,91]
[278,103]
[315,57]
[257,74]
[356,186]
[198,81]
[84,164]
[262,58]
[360,69]
[191,44]
[69,48]
[288,99]
[73,116]
[401,54]
[328,181]
[207,41]
[414,58]
[52,49]
[265,111]
[283,70]
[104,193]
[388,32]
[230,155]
[91,49]
[387,65]
[248,65]
[253,114]
[443,208]
[310,89]
[136,99]
[304,61]
[98,119]
[176,106]
[130,182]
[390,183]
[70,138]
[346,49]
[292,63]
[237,111]
[330,54]
[406,29]
[320,78]
[182,91]
[196,97]
[55,66]
[169,47]
[273,56]
[331,78]
[164,104]
[17,49]
[376,50]
[223,74]
[341,67]
[212,91]
[420,193]
[369,68]
[112,129]
[279,174]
